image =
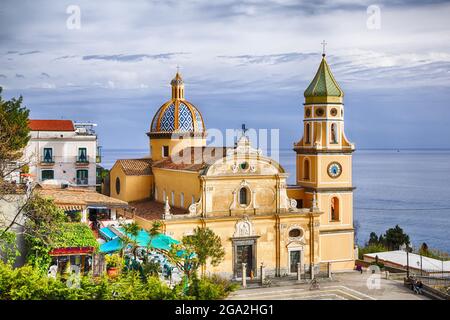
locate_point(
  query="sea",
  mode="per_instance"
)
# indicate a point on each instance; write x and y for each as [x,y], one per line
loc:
[407,187]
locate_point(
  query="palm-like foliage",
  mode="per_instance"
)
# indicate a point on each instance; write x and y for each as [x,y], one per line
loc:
[129,238]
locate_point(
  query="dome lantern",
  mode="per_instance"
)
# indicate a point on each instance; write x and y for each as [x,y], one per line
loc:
[177,115]
[177,87]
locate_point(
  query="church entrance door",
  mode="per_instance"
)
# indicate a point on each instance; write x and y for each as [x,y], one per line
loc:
[244,254]
[294,258]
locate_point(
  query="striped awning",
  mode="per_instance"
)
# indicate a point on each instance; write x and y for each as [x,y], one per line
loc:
[71,207]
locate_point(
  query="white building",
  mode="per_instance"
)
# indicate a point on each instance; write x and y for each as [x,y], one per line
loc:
[64,151]
[416,263]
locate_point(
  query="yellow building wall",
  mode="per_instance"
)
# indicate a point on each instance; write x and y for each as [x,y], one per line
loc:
[222,197]
[338,248]
[266,245]
[175,145]
[132,188]
[178,182]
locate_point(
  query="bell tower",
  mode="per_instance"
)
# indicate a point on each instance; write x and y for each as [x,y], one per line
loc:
[324,167]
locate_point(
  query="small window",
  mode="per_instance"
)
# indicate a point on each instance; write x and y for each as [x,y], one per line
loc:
[308,134]
[193,200]
[299,203]
[47,175]
[82,155]
[48,155]
[306,170]
[320,112]
[333,133]
[165,151]
[117,185]
[173,198]
[82,177]
[295,233]
[334,112]
[243,196]
[334,209]
[244,165]
[308,113]
[182,200]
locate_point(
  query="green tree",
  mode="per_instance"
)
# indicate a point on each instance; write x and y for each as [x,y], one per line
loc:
[395,237]
[131,231]
[373,239]
[424,249]
[43,220]
[206,245]
[8,247]
[14,134]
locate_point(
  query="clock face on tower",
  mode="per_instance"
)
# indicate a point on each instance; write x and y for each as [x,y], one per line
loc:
[334,169]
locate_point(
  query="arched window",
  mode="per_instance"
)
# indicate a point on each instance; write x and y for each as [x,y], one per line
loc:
[117,185]
[243,196]
[334,209]
[306,170]
[307,134]
[333,133]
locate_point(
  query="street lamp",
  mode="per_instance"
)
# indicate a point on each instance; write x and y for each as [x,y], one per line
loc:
[408,250]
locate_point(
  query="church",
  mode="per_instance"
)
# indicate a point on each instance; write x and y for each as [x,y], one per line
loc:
[242,195]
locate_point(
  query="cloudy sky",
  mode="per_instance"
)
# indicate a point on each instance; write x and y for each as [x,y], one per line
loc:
[242,61]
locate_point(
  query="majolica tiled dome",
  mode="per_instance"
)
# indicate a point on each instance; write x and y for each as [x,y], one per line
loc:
[178,114]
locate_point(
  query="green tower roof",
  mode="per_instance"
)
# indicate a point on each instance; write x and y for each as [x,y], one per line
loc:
[323,85]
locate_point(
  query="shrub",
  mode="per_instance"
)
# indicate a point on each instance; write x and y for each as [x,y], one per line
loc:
[211,288]
[113,261]
[371,248]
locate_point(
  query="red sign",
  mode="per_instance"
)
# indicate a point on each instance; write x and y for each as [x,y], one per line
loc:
[71,251]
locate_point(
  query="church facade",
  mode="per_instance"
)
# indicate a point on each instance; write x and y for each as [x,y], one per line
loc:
[243,195]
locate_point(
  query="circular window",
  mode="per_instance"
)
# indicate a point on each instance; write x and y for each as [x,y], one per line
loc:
[244,165]
[295,233]
[117,185]
[334,112]
[308,113]
[320,112]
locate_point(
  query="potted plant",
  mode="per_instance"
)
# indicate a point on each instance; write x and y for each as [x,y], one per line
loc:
[113,265]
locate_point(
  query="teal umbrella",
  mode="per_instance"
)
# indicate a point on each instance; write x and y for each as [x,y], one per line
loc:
[160,241]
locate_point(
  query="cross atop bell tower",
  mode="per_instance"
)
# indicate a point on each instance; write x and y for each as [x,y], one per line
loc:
[323,43]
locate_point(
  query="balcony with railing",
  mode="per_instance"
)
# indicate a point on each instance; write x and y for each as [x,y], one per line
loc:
[82,160]
[47,160]
[99,154]
[82,181]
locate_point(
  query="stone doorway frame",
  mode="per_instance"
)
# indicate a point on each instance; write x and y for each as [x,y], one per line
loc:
[242,241]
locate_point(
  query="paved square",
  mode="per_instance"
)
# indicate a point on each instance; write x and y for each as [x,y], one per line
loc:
[343,286]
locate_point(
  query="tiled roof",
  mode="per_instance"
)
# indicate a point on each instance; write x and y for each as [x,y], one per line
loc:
[136,167]
[51,125]
[153,210]
[192,159]
[78,197]
[323,84]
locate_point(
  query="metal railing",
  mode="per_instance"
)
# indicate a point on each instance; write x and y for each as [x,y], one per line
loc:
[48,159]
[82,181]
[82,160]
